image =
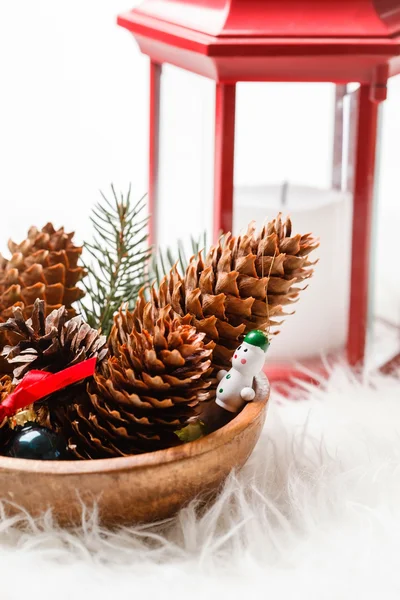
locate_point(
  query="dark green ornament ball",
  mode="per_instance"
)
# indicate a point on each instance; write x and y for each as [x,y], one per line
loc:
[37,443]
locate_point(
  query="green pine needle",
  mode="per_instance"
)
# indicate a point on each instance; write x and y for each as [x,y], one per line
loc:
[118,255]
[165,260]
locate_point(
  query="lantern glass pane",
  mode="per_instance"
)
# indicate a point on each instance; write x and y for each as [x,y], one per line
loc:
[284,133]
[184,207]
[385,274]
[284,157]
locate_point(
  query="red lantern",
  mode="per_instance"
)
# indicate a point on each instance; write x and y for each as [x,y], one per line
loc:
[231,41]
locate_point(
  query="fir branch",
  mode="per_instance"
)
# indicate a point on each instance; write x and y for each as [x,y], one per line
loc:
[118,256]
[165,260]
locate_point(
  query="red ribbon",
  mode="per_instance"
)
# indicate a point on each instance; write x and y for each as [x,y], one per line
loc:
[39,384]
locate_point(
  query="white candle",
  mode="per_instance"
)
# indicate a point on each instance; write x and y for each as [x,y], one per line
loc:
[319,325]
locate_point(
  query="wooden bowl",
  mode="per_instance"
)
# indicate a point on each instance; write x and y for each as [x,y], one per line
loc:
[141,488]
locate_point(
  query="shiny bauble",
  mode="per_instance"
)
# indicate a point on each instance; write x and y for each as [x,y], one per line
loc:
[36,443]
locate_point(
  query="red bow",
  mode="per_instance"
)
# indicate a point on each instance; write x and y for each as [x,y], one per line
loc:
[39,384]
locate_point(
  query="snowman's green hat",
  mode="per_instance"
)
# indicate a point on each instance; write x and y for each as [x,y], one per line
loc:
[256,337]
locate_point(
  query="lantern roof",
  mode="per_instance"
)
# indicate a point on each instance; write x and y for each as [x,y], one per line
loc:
[272,40]
[276,18]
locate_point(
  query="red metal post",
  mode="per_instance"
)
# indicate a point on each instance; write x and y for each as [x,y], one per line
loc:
[225,102]
[367,118]
[154,136]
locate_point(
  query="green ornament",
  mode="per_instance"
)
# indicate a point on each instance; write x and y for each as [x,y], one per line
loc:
[256,337]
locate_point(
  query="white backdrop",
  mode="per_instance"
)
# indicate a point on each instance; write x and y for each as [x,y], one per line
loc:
[74,118]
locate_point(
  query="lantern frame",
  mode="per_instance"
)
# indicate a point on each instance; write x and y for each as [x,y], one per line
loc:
[231,41]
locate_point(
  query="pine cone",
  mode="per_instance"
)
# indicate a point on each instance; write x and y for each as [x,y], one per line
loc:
[149,387]
[242,285]
[51,344]
[44,266]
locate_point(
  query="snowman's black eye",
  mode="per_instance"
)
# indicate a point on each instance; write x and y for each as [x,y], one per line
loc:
[239,347]
[245,350]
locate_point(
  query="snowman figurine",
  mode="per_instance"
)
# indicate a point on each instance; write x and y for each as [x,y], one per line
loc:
[235,386]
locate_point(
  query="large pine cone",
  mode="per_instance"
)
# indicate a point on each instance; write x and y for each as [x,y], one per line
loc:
[149,387]
[44,266]
[242,285]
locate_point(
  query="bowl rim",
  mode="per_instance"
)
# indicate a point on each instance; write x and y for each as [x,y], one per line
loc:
[203,445]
